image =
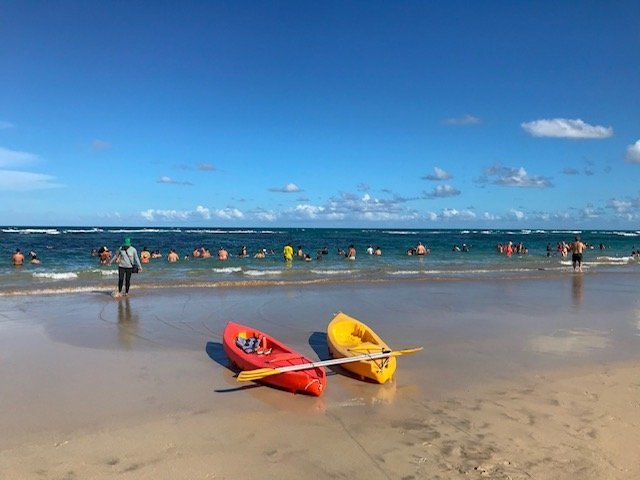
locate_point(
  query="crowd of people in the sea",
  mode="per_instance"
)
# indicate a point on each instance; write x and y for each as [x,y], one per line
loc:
[576,248]
[509,248]
[106,256]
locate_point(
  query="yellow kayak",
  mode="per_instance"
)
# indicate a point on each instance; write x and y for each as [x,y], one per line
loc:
[348,337]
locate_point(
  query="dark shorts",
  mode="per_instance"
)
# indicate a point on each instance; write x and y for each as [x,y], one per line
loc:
[576,257]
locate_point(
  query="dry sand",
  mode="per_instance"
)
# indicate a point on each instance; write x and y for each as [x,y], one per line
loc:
[533,379]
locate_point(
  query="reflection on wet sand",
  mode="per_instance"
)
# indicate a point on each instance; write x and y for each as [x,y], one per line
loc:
[127,324]
[571,342]
[577,289]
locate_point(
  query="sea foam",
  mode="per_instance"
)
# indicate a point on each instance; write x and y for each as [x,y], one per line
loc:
[56,275]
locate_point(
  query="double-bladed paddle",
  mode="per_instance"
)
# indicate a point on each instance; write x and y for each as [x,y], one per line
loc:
[249,375]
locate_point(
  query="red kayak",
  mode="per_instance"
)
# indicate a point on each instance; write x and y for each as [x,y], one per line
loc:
[250,349]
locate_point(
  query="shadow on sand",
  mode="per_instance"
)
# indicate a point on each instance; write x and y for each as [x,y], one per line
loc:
[318,341]
[216,353]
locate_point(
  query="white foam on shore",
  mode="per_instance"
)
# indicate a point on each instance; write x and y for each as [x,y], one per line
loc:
[107,273]
[408,272]
[262,273]
[56,275]
[331,272]
[615,260]
[227,270]
[602,261]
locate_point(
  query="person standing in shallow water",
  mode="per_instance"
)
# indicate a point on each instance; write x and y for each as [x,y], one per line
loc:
[18,258]
[287,252]
[577,247]
[126,258]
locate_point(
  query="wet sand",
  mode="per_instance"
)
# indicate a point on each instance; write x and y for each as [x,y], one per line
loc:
[519,379]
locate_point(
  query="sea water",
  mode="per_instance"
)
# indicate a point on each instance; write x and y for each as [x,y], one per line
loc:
[67,263]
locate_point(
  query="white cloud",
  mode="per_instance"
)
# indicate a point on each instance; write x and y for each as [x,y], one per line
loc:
[228,213]
[288,188]
[205,213]
[570,171]
[621,206]
[464,120]
[590,213]
[513,177]
[308,211]
[628,208]
[152,214]
[438,174]
[13,157]
[170,181]
[442,191]
[565,128]
[349,206]
[633,153]
[15,181]
[489,216]
[517,214]
[466,214]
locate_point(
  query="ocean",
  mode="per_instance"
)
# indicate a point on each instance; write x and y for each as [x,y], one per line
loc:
[67,264]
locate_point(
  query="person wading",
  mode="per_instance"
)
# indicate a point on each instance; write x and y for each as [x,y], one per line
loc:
[128,261]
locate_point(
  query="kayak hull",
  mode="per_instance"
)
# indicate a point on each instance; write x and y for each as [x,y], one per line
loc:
[349,337]
[310,381]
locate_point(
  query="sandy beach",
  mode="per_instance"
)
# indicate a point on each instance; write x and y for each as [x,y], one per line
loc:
[520,378]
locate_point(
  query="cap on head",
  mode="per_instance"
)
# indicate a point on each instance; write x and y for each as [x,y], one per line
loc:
[127,242]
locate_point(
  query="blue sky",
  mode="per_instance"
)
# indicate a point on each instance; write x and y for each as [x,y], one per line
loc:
[491,114]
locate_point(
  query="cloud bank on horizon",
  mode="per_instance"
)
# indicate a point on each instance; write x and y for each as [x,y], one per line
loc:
[221,125]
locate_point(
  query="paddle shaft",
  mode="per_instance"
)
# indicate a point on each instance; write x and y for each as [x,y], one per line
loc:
[264,372]
[335,361]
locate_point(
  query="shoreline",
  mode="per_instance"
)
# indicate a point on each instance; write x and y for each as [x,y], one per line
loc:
[530,379]
[146,286]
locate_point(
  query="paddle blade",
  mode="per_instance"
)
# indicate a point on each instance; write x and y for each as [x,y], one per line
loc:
[406,351]
[252,375]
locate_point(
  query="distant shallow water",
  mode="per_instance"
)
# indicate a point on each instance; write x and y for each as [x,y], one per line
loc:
[68,266]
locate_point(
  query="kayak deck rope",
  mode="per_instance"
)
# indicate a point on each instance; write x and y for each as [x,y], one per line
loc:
[314,380]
